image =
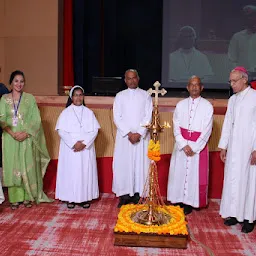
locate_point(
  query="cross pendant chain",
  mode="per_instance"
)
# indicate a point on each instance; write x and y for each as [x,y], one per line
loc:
[79,121]
[190,122]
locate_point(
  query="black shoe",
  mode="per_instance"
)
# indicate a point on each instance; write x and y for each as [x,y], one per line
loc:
[181,205]
[123,200]
[187,209]
[247,227]
[71,205]
[230,221]
[85,205]
[136,198]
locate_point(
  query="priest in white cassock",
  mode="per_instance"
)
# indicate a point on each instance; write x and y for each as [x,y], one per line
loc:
[238,152]
[132,109]
[187,60]
[242,46]
[192,127]
[77,178]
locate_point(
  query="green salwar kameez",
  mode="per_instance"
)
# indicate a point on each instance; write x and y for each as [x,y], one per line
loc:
[24,163]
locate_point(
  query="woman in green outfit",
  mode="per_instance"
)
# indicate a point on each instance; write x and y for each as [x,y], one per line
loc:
[25,156]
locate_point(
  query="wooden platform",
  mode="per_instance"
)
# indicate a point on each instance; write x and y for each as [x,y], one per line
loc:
[150,240]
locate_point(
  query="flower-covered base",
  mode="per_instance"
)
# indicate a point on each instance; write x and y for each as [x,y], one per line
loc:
[173,234]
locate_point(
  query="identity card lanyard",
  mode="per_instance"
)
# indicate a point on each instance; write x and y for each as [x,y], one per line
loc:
[15,108]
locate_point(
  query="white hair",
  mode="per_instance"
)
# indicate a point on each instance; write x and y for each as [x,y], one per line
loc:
[194,76]
[243,74]
[249,9]
[188,28]
[132,70]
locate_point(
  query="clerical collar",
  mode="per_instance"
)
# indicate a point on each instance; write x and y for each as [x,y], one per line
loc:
[242,93]
[132,90]
[195,100]
[250,31]
[187,51]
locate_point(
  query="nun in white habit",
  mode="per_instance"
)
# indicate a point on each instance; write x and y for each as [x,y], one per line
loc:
[77,178]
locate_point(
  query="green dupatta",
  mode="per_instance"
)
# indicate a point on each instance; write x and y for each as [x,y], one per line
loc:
[24,163]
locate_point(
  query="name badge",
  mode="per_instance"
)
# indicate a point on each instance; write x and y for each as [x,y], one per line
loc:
[15,121]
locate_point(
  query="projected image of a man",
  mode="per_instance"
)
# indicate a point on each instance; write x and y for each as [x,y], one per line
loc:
[187,38]
[187,60]
[242,46]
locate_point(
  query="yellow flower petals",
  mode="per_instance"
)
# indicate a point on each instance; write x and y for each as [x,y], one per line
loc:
[154,150]
[176,226]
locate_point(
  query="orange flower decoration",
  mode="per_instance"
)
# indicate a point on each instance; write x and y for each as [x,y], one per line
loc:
[154,150]
[176,226]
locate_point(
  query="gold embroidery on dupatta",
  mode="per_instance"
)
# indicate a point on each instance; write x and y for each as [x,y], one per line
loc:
[17,173]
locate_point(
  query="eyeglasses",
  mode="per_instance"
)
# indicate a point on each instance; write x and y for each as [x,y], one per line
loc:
[234,81]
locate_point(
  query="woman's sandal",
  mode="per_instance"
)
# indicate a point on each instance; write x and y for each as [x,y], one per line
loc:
[85,205]
[27,204]
[71,205]
[15,206]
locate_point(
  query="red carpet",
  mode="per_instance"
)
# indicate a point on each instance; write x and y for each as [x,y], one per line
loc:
[52,229]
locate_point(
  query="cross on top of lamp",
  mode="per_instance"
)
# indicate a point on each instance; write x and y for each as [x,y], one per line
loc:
[155,127]
[156,92]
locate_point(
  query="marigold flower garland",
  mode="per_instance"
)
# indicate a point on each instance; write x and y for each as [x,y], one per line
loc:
[154,151]
[176,225]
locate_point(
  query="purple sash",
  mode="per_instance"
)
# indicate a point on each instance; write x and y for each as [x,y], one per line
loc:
[203,166]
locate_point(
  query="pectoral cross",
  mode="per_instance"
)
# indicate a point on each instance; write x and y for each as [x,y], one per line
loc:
[190,132]
[157,91]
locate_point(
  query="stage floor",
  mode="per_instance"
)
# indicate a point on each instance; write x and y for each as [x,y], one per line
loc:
[52,229]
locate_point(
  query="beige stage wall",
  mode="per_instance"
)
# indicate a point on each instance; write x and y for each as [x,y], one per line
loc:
[29,42]
[51,107]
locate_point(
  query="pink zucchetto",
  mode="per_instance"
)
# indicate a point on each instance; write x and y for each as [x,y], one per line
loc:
[241,69]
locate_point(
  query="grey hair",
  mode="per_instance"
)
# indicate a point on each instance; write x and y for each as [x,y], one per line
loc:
[188,28]
[251,8]
[194,76]
[243,74]
[132,70]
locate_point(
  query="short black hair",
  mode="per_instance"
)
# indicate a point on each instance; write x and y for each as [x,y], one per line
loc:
[15,73]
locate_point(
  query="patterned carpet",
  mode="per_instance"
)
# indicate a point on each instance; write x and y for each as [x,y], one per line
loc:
[52,229]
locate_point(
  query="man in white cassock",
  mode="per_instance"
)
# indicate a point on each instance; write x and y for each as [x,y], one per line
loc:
[187,60]
[238,152]
[77,178]
[242,46]
[132,109]
[192,127]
